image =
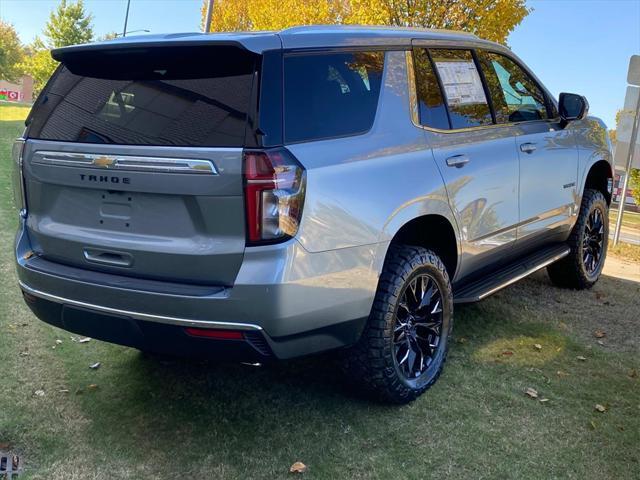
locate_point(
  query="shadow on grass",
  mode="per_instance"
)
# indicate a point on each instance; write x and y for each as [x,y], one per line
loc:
[241,421]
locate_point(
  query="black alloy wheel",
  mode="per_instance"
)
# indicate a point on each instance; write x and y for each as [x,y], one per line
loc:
[593,241]
[418,327]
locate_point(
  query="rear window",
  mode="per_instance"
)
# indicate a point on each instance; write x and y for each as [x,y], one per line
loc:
[330,95]
[161,98]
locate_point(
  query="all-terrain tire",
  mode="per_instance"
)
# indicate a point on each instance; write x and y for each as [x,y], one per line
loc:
[371,363]
[571,271]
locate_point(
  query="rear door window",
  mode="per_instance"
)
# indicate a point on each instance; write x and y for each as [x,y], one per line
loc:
[431,107]
[516,96]
[463,88]
[168,100]
[330,95]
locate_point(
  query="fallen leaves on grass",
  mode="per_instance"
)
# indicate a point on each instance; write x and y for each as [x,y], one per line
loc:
[298,467]
[81,340]
[599,334]
[507,353]
[95,366]
[600,408]
[531,392]
[90,387]
[633,373]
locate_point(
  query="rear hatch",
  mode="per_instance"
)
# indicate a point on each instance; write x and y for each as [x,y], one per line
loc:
[133,162]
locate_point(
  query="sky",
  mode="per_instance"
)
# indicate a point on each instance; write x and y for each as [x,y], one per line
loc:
[577,46]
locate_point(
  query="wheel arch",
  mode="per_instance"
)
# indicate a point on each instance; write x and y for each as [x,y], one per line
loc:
[599,177]
[418,230]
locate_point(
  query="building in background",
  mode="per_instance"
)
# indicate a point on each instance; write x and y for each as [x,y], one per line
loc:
[21,91]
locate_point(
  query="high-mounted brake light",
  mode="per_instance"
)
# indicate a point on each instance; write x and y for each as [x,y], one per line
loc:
[274,194]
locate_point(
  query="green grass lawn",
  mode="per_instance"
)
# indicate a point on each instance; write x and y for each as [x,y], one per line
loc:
[151,419]
[630,219]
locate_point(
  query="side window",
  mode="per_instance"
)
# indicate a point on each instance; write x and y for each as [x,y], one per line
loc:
[330,95]
[463,88]
[516,96]
[431,107]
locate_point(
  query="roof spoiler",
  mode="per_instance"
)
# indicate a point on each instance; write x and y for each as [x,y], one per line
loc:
[251,42]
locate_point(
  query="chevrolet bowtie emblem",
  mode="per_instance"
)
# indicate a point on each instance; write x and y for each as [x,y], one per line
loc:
[104,162]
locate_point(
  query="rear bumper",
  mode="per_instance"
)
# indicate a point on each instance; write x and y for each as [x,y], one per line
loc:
[298,303]
[149,336]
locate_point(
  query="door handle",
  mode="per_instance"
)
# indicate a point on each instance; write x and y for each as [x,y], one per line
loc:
[528,147]
[458,161]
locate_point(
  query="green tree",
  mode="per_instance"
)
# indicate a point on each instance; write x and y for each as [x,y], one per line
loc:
[107,36]
[68,24]
[11,52]
[634,182]
[490,19]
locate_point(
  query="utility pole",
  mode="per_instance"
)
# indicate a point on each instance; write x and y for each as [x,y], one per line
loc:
[126,19]
[627,173]
[633,78]
[209,15]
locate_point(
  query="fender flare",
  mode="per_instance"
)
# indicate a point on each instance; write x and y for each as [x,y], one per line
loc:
[428,205]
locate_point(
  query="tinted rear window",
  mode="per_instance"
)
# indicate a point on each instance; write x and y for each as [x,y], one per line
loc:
[166,99]
[431,107]
[331,95]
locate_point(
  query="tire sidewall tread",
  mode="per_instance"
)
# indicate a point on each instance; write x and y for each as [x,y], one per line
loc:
[570,271]
[371,361]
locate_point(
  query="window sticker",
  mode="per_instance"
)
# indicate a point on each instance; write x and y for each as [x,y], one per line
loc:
[461,82]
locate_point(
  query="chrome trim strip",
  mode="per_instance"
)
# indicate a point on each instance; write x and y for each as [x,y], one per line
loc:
[125,162]
[543,216]
[183,322]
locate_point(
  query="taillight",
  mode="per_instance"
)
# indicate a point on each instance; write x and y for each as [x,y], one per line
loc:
[274,194]
[17,177]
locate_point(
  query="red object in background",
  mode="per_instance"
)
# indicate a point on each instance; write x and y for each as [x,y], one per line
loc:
[9,95]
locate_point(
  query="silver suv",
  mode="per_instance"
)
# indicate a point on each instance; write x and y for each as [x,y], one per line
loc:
[258,196]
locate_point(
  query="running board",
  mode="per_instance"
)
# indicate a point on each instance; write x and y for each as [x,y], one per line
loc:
[505,276]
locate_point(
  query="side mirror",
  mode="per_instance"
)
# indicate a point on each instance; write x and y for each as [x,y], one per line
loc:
[572,107]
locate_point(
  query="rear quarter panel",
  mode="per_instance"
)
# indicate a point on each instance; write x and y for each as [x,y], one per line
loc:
[362,189]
